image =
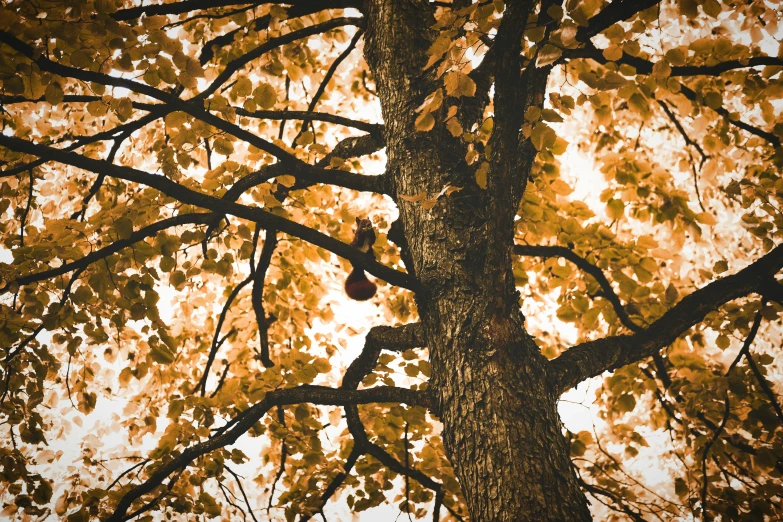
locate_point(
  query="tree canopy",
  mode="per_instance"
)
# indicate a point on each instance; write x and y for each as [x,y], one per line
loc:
[563,193]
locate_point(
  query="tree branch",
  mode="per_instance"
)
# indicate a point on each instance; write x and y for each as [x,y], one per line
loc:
[356,452]
[505,65]
[688,141]
[81,141]
[729,65]
[768,136]
[774,291]
[92,257]
[236,64]
[379,338]
[615,498]
[142,462]
[283,458]
[333,68]
[607,292]
[185,195]
[28,206]
[319,395]
[184,6]
[745,351]
[347,148]
[643,66]
[704,456]
[372,128]
[173,102]
[584,265]
[595,357]
[27,340]
[216,341]
[257,298]
[329,73]
[395,339]
[166,107]
[298,10]
[617,11]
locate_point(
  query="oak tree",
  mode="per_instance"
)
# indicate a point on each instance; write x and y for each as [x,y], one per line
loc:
[562,192]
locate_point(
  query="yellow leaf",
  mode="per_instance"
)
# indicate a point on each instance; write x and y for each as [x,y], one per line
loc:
[705,218]
[532,114]
[454,127]
[561,188]
[305,139]
[265,96]
[536,34]
[413,199]
[676,56]
[661,69]
[124,109]
[80,59]
[459,84]
[286,181]
[429,203]
[713,100]
[54,93]
[223,146]
[152,78]
[646,241]
[551,115]
[451,82]
[97,108]
[548,55]
[425,122]
[193,68]
[613,53]
[721,266]
[438,49]
[712,8]
[481,175]
[467,87]
[242,88]
[626,403]
[559,147]
[615,209]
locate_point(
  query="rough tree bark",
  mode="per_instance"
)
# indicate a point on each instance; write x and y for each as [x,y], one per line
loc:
[501,428]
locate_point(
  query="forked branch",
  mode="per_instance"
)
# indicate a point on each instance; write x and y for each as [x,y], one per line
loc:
[595,357]
[185,195]
[319,395]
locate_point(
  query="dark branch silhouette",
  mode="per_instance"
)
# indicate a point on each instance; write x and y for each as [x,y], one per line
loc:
[595,357]
[185,195]
[312,394]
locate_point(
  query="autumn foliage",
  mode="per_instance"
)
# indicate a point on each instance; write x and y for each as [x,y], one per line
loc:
[581,194]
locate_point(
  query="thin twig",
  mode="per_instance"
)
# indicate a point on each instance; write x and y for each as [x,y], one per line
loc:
[745,352]
[707,448]
[115,481]
[694,144]
[242,490]
[23,220]
[283,457]
[328,76]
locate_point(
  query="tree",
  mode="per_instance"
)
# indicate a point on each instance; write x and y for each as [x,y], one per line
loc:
[213,153]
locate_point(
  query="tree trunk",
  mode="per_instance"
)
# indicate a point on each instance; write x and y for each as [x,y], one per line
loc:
[501,429]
